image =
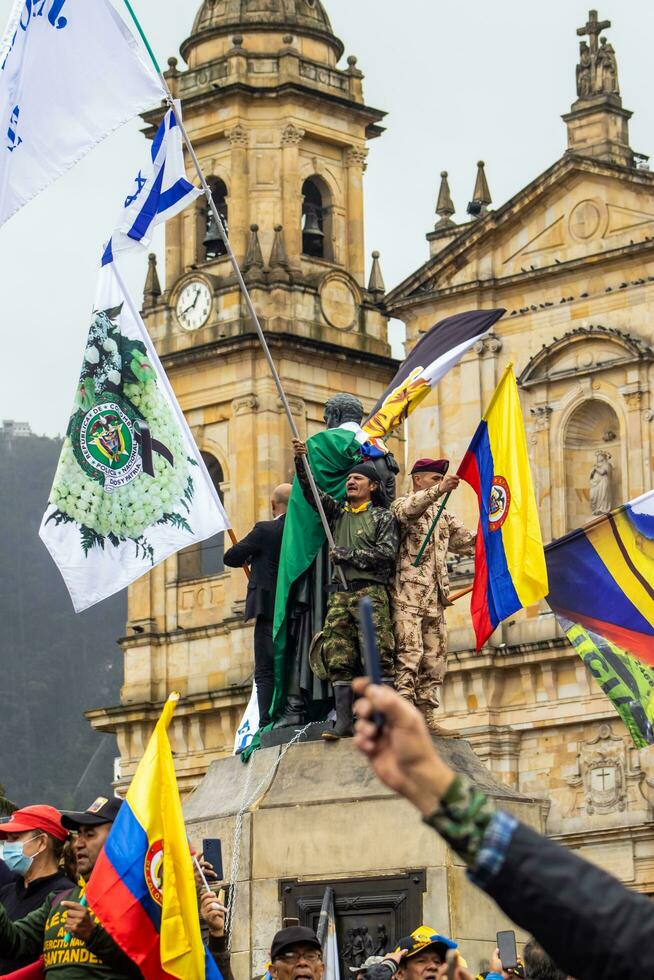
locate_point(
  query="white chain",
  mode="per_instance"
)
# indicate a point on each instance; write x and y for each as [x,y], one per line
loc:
[246,803]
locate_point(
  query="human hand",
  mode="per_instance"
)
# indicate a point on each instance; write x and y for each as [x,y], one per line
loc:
[496,962]
[458,973]
[299,447]
[403,756]
[208,872]
[449,483]
[79,921]
[396,956]
[213,913]
[340,555]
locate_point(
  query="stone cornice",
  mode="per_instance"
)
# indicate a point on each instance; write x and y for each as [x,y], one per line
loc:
[250,341]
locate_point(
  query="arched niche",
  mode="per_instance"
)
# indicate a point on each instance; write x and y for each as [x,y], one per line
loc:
[205,558]
[592,427]
[317,217]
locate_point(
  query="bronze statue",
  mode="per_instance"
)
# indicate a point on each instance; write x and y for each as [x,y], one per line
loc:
[343,408]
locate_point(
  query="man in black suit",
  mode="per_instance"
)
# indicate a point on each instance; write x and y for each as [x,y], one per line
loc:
[260,549]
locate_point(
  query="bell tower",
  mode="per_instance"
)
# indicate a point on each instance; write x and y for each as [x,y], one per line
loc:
[281,132]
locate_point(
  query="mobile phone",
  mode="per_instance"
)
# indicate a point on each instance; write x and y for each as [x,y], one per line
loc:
[370,652]
[212,852]
[507,947]
[288,922]
[452,960]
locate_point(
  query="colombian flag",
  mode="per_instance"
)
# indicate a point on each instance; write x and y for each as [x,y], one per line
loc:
[510,570]
[142,888]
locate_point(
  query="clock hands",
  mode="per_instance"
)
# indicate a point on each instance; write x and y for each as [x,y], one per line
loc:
[189,308]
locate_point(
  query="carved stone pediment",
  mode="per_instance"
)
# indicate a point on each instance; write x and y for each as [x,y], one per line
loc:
[584,350]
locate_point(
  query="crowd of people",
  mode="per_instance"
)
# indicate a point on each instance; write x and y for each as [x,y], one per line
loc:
[48,930]
[584,922]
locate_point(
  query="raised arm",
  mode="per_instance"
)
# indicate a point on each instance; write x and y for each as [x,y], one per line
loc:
[588,922]
[331,506]
[414,505]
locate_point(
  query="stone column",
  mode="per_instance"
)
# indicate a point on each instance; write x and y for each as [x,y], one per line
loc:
[291,193]
[238,196]
[242,466]
[538,445]
[633,396]
[174,267]
[355,159]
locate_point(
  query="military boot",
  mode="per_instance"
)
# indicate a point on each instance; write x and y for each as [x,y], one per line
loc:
[428,712]
[294,713]
[344,698]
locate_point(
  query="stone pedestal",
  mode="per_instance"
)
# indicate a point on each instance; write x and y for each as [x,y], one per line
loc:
[317,815]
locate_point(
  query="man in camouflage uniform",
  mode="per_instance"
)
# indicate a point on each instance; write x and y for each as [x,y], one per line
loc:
[366,542]
[419,595]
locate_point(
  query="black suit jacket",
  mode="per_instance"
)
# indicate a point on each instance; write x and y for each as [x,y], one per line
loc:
[260,549]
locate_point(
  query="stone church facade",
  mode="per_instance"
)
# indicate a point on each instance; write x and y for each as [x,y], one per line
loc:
[571,258]
[282,132]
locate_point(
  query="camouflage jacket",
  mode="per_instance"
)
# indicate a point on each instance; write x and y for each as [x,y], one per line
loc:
[375,533]
[415,513]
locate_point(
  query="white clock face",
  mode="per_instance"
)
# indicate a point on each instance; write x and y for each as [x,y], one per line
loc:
[194,305]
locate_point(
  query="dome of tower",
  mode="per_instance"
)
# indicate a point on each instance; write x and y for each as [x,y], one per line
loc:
[300,16]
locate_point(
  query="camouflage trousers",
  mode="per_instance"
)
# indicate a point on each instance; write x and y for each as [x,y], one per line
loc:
[420,652]
[342,644]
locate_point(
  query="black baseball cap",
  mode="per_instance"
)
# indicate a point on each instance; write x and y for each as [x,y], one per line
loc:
[290,936]
[103,810]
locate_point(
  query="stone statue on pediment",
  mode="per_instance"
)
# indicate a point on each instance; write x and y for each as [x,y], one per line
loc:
[584,72]
[606,69]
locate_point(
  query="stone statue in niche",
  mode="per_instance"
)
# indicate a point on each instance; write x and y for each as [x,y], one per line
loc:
[382,941]
[600,483]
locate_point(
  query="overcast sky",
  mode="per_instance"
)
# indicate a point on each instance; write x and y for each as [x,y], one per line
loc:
[460,82]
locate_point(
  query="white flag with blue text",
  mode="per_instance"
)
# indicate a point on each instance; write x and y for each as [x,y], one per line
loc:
[158,193]
[70,74]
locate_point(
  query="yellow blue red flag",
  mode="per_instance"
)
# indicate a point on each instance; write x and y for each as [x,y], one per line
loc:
[602,576]
[142,889]
[510,570]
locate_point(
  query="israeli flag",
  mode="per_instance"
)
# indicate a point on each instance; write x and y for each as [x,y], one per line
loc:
[249,724]
[70,74]
[158,192]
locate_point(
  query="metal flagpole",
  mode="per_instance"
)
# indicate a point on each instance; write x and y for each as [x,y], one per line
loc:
[243,287]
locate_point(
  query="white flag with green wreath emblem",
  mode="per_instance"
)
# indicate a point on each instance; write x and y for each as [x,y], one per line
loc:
[131,487]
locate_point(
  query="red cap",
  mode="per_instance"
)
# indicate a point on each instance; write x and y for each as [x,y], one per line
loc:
[431,466]
[39,817]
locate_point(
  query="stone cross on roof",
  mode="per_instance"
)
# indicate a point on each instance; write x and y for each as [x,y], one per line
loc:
[593,28]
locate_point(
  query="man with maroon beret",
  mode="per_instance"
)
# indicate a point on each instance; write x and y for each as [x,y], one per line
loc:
[419,594]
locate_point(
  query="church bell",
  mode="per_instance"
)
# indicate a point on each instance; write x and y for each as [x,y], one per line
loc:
[213,243]
[312,227]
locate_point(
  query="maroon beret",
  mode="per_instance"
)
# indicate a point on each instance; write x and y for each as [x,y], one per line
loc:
[431,466]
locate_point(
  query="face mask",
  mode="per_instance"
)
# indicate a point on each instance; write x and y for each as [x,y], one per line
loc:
[14,857]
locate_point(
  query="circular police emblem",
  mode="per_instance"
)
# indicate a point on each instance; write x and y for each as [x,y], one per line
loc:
[499,503]
[154,871]
[106,446]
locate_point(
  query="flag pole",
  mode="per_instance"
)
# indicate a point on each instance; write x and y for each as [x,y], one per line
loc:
[239,277]
[431,530]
